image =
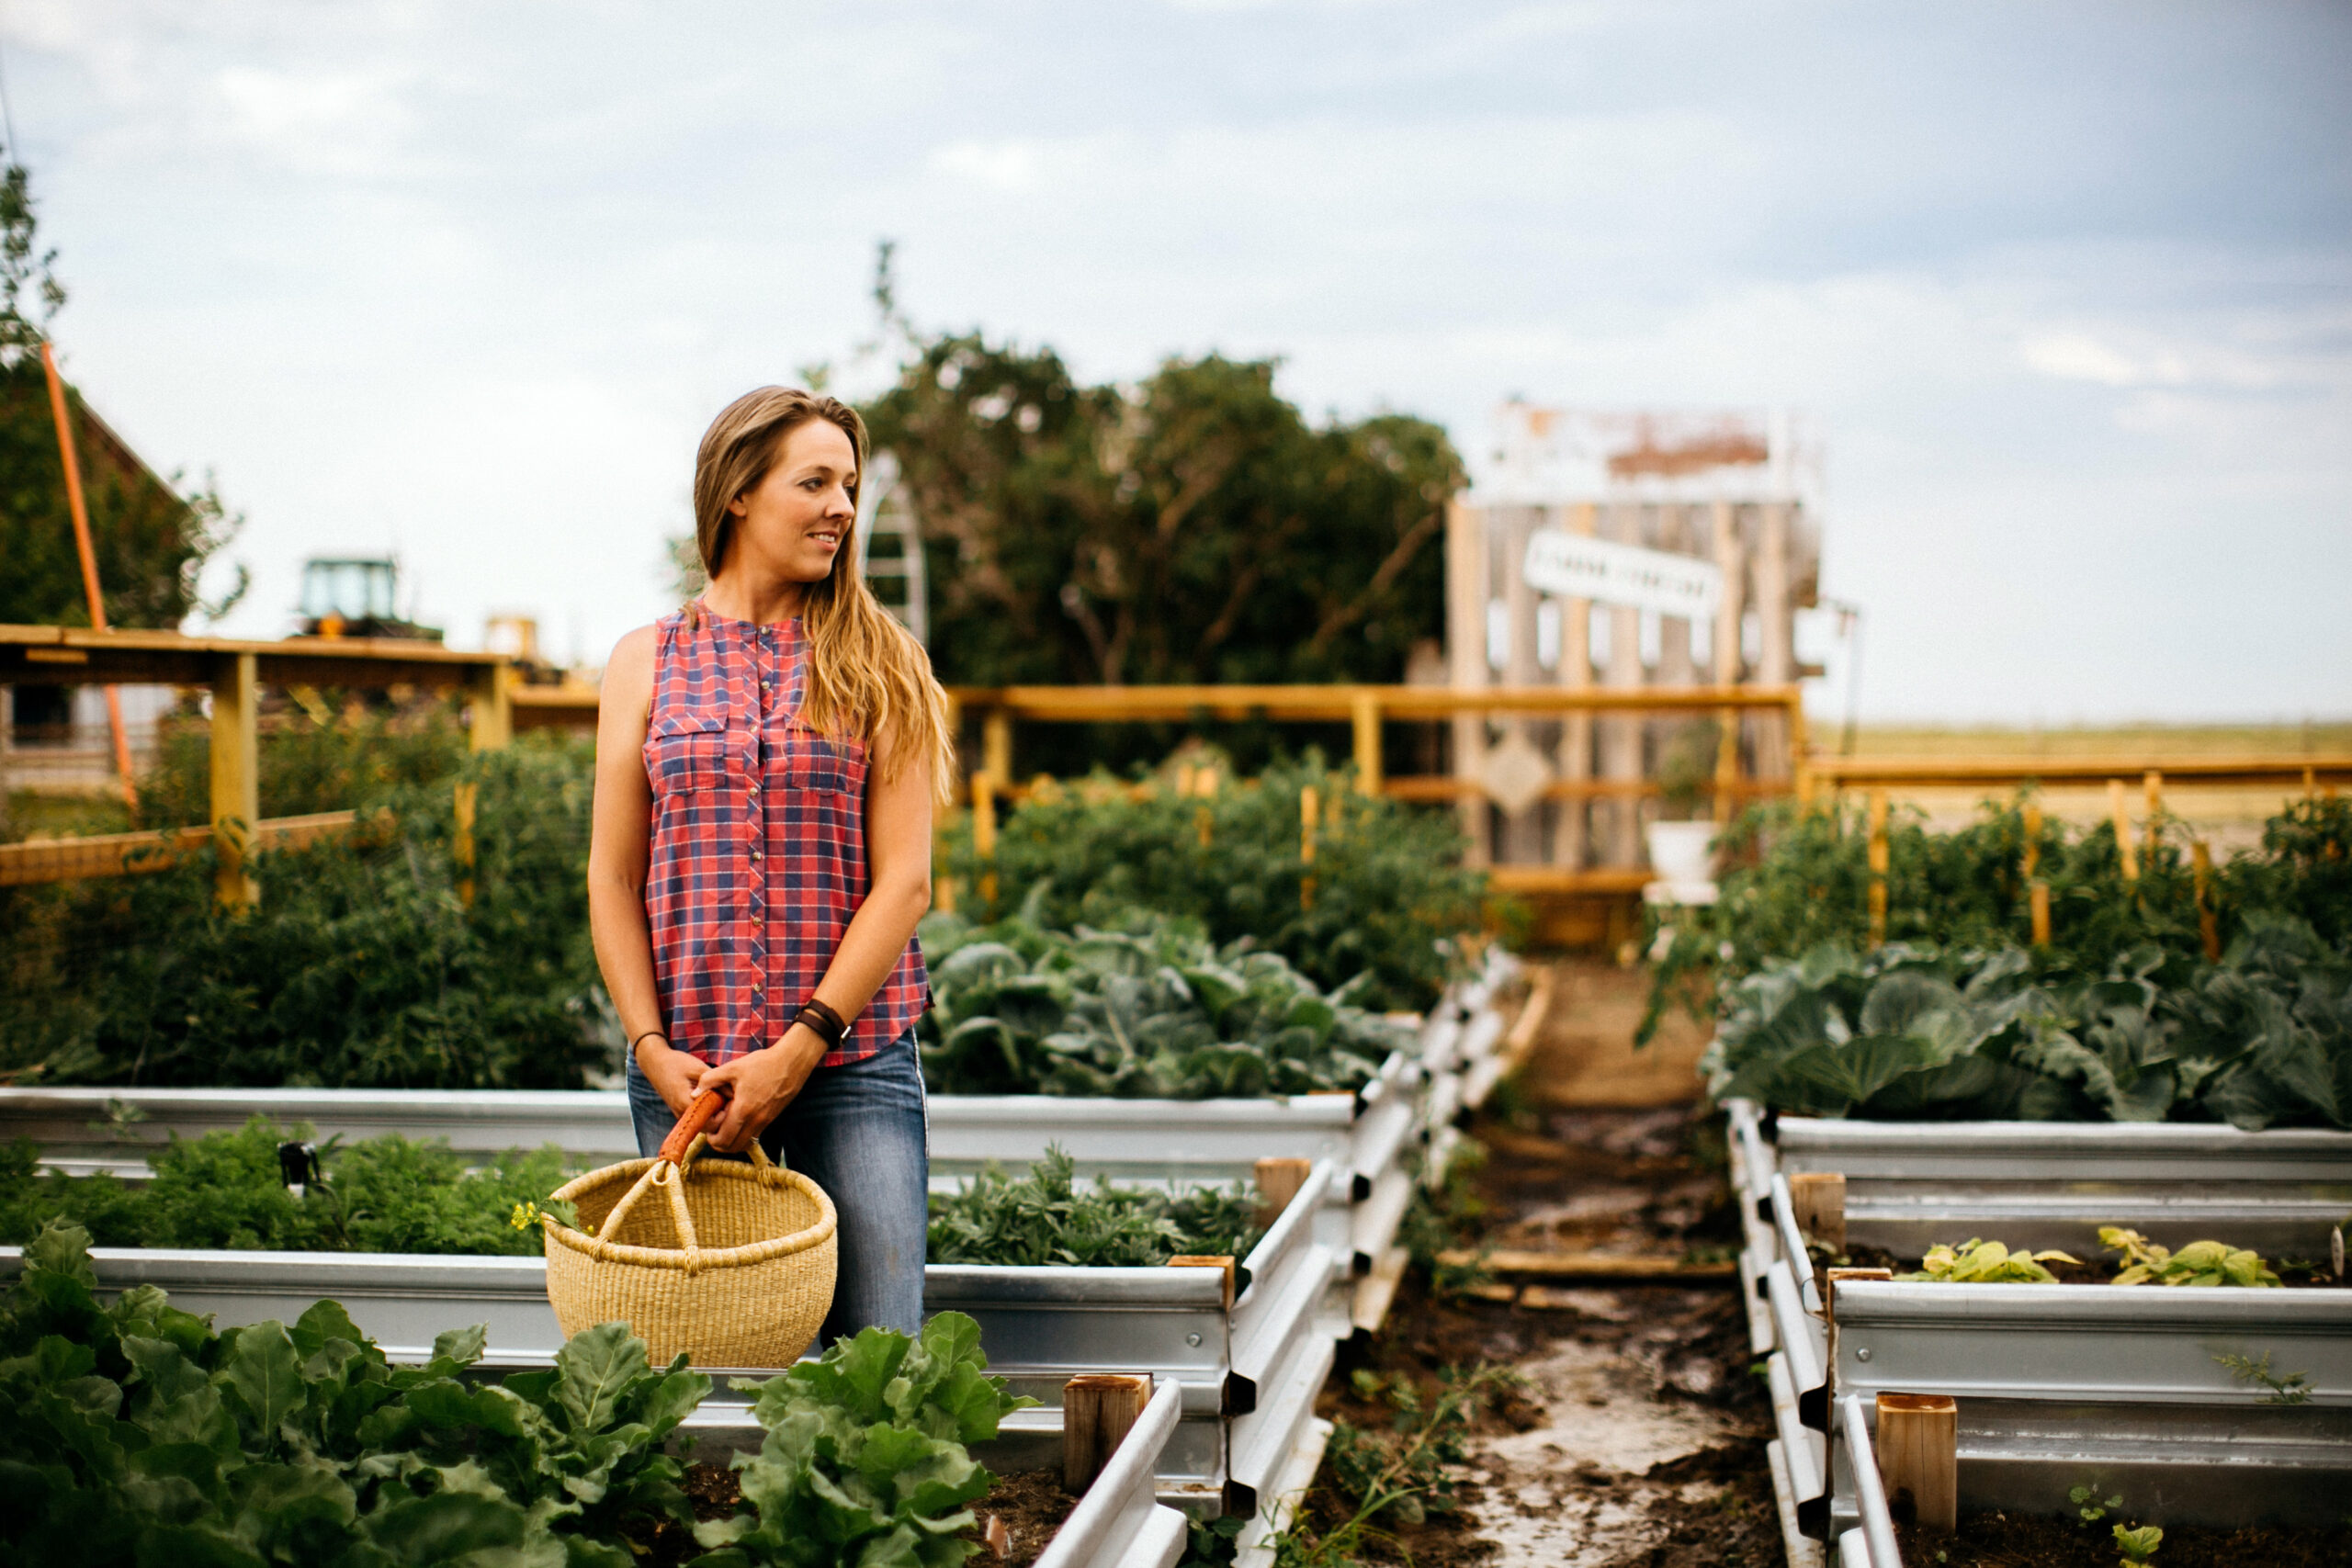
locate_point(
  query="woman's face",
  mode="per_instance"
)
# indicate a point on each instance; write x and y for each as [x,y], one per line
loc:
[796,519]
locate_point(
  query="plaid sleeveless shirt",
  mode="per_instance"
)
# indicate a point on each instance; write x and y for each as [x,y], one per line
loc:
[757,858]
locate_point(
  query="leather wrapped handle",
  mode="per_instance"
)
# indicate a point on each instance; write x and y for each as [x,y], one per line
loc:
[701,1112]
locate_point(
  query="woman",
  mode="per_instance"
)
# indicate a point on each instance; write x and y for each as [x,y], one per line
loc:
[767,762]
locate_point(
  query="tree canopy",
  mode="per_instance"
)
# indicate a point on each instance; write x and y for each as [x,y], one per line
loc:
[1193,527]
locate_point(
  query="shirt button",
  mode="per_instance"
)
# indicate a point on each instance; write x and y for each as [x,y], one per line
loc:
[755,855]
[755,919]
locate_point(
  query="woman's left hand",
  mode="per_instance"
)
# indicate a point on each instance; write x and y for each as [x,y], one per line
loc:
[759,1086]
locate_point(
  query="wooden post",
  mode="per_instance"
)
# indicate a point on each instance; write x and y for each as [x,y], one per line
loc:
[1727,764]
[1097,1411]
[984,838]
[461,842]
[77,509]
[996,742]
[1468,589]
[1278,1183]
[1367,711]
[1918,1453]
[2037,891]
[2209,924]
[1309,803]
[236,777]
[1206,1260]
[2153,783]
[492,721]
[1621,737]
[1575,754]
[1817,1203]
[1880,861]
[2124,852]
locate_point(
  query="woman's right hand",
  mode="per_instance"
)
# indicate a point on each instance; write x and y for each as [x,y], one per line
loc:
[673,1074]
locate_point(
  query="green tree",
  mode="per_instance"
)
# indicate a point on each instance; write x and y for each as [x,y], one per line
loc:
[150,538]
[1194,527]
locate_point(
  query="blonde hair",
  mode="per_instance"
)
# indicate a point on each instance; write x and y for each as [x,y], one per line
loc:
[867,675]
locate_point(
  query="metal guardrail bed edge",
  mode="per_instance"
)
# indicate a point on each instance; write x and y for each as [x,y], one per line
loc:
[1869,1495]
[1117,1523]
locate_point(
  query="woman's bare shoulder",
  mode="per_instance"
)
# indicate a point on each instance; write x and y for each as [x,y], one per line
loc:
[628,674]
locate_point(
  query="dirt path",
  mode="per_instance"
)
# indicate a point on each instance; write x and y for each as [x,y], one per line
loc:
[1635,1435]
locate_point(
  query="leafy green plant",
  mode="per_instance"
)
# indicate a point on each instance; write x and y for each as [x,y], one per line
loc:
[1048,1218]
[227,1190]
[1391,897]
[864,1460]
[2290,1388]
[2138,1545]
[1401,1475]
[2120,1017]
[1150,1010]
[1912,1031]
[2089,1505]
[2199,1263]
[1444,1220]
[1975,1262]
[133,1434]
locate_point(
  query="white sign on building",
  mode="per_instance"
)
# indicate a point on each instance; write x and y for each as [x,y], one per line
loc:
[1571,566]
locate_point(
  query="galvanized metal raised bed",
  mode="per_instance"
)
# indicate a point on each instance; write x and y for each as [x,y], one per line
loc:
[2058,1386]
[1368,1134]
[1246,1373]
[1909,1185]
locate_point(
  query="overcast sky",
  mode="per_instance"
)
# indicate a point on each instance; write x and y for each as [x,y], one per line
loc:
[2066,288]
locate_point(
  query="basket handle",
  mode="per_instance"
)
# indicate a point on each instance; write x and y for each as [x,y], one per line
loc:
[699,1113]
[675,1148]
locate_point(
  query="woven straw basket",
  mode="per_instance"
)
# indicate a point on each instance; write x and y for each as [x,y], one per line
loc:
[730,1263]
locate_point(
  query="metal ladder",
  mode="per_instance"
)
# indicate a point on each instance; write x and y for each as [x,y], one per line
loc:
[895,571]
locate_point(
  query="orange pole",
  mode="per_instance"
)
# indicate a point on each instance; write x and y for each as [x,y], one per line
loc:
[81,516]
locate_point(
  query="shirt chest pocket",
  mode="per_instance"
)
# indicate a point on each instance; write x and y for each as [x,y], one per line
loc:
[692,754]
[813,761]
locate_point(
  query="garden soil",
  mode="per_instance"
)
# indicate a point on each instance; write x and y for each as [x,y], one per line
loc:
[1636,1435]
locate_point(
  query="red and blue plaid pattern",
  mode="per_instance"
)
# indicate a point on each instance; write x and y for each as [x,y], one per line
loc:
[758,853]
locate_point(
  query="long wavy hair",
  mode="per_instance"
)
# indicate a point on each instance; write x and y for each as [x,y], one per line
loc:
[867,675]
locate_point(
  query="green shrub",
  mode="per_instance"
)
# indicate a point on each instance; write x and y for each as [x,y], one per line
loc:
[1391,896]
[361,968]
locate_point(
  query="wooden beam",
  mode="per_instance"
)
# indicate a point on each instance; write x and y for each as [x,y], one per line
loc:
[1970,772]
[134,854]
[76,655]
[1588,1266]
[236,777]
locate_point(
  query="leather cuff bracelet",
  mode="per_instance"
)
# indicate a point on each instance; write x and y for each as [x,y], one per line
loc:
[823,1022]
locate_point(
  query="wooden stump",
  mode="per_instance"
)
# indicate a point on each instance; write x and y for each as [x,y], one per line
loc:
[1097,1410]
[1278,1183]
[1818,1202]
[1203,1260]
[1918,1454]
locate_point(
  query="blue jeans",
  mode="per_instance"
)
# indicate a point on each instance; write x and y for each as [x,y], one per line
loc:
[859,1132]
